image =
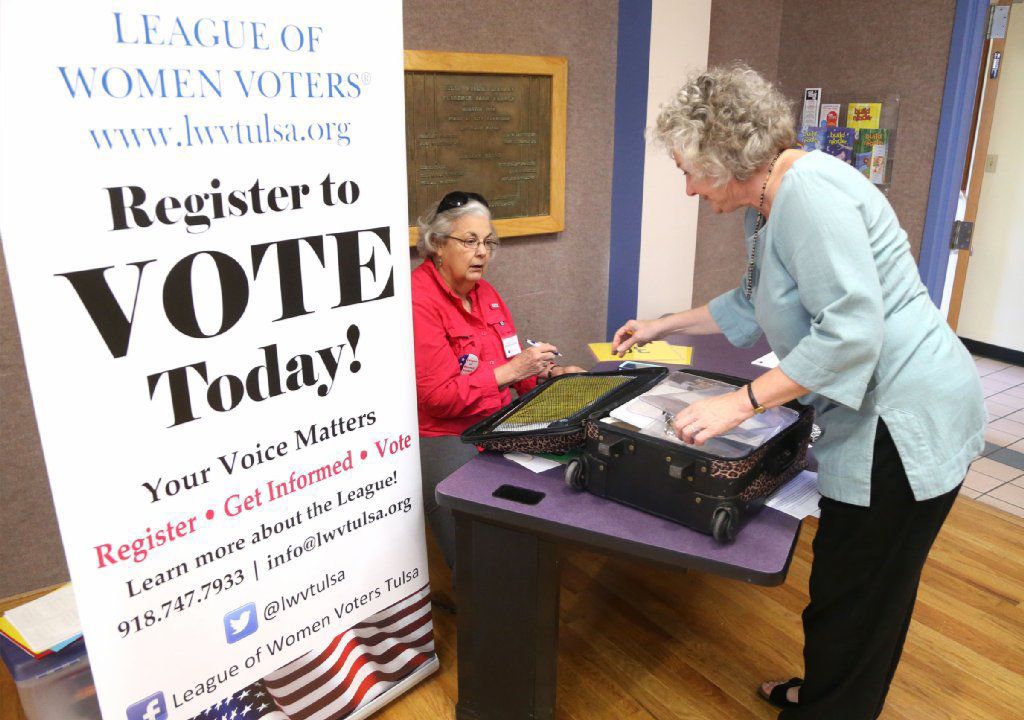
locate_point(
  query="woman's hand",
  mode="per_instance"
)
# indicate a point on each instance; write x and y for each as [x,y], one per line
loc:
[635,332]
[705,419]
[531,361]
[556,370]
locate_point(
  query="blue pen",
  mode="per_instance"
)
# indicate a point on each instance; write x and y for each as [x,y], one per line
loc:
[531,343]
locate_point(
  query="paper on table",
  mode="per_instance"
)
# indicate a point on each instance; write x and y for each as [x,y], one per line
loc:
[47,621]
[770,360]
[799,497]
[532,462]
[658,351]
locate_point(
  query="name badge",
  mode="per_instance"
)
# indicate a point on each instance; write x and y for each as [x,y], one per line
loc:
[511,346]
[468,363]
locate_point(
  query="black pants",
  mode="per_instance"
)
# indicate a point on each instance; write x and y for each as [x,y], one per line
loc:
[864,577]
[439,458]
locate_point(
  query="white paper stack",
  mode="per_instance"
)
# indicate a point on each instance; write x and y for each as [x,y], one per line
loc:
[45,624]
[799,497]
[652,413]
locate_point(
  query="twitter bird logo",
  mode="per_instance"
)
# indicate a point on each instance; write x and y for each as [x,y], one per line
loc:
[240,623]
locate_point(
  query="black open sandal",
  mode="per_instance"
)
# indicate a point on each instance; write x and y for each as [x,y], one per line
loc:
[777,696]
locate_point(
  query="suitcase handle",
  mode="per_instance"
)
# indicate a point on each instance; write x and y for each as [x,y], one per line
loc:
[777,463]
[781,466]
[615,448]
[782,461]
[775,472]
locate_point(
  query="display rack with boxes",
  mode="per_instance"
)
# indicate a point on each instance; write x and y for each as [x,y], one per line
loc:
[859,128]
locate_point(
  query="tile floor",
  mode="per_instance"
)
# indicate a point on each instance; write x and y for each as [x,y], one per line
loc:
[997,478]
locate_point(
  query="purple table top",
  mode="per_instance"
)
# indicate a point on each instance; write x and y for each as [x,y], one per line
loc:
[760,554]
[716,354]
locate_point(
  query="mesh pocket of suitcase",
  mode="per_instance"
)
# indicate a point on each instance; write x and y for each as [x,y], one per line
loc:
[550,417]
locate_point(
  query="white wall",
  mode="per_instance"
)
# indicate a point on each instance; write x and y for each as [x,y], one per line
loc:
[680,31]
[993,306]
[954,257]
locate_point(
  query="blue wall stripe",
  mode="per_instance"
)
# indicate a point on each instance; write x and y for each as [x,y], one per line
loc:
[951,145]
[628,165]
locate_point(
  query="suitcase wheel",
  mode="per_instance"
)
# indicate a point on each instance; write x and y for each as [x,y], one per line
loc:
[574,475]
[723,524]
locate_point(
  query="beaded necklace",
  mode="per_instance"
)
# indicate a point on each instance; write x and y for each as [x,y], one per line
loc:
[748,289]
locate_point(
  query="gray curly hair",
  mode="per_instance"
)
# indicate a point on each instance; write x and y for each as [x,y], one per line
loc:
[726,122]
[435,227]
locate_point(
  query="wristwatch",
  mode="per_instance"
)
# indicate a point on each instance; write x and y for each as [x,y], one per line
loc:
[758,407]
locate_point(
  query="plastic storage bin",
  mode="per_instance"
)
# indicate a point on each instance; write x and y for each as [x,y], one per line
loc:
[56,687]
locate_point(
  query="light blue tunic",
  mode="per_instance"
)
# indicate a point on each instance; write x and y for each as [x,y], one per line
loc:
[837,295]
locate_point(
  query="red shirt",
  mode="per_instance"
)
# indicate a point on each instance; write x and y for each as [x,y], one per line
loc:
[448,340]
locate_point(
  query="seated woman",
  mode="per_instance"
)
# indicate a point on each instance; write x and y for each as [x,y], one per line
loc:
[468,354]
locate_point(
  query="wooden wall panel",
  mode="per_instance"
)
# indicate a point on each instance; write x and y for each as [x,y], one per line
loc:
[31,554]
[556,285]
[845,47]
[902,52]
[750,32]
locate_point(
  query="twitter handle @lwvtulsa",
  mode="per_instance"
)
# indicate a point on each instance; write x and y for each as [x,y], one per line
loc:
[181,603]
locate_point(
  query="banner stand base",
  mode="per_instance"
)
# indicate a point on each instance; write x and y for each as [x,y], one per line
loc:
[415,678]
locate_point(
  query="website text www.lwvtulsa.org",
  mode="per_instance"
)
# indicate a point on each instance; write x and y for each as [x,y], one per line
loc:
[197,132]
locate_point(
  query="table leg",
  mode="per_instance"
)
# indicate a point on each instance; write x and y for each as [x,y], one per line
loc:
[507,585]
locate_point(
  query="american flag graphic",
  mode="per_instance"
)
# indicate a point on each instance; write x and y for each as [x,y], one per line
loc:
[249,703]
[356,668]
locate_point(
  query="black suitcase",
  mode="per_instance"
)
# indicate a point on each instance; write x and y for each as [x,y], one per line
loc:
[681,483]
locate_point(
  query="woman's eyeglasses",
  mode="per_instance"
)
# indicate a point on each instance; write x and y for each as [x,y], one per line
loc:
[490,242]
[458,198]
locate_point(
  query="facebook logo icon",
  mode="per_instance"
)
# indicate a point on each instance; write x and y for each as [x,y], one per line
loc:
[152,708]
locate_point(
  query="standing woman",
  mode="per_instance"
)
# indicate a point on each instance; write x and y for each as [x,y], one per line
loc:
[468,354]
[831,282]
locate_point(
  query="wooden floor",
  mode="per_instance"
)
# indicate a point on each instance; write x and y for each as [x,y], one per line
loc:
[641,642]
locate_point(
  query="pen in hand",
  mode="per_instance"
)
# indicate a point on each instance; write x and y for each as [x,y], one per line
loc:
[533,343]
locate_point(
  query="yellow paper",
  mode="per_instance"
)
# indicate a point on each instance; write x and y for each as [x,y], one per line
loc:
[685,353]
[658,351]
[12,632]
[863,115]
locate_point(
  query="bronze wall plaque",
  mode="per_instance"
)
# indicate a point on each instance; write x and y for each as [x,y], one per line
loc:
[500,134]
[490,134]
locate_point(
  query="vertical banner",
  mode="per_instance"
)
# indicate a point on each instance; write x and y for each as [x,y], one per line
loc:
[203,211]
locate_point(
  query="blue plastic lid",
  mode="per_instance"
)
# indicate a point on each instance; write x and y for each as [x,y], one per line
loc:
[25,667]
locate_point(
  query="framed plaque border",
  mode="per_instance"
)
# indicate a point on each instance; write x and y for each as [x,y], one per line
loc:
[557,68]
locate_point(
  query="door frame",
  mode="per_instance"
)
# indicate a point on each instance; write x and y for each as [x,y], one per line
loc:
[955,123]
[993,53]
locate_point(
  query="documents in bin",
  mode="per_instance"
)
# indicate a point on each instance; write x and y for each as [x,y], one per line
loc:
[652,414]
